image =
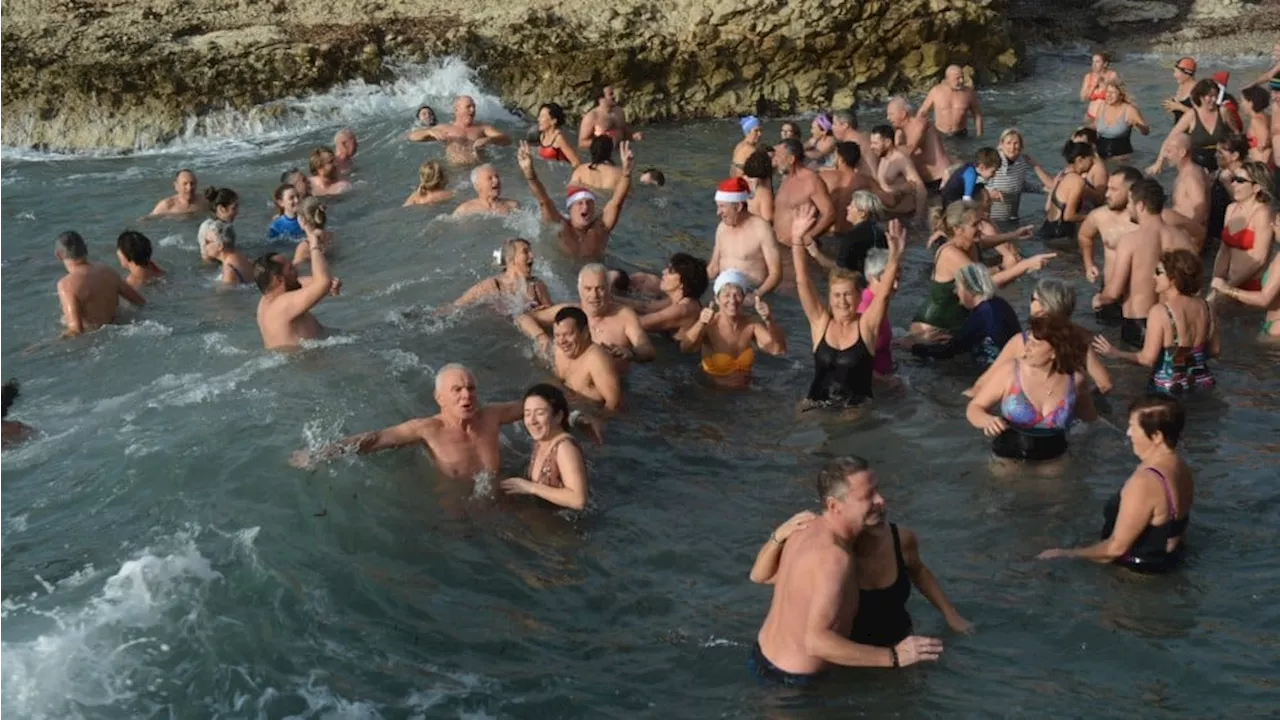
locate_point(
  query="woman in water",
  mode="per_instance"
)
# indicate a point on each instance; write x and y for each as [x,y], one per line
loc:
[1205,124]
[1095,187]
[674,301]
[14,432]
[600,173]
[284,226]
[819,149]
[1144,524]
[557,471]
[887,561]
[789,130]
[1036,396]
[1267,298]
[432,185]
[226,206]
[1014,177]
[220,238]
[311,216]
[133,250]
[1257,125]
[1093,87]
[552,145]
[759,172]
[1181,332]
[515,285]
[1247,228]
[841,337]
[873,269]
[1115,117]
[1055,298]
[1064,208]
[727,336]
[990,324]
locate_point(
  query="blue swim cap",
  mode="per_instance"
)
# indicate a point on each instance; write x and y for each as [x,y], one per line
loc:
[749,123]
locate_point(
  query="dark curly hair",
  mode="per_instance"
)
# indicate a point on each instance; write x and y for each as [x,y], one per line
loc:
[1069,348]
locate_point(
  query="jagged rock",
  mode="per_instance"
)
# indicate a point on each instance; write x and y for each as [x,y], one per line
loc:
[1110,12]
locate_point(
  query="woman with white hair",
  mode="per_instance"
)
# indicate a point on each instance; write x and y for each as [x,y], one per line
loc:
[873,270]
[990,324]
[220,239]
[727,336]
[1014,177]
[865,213]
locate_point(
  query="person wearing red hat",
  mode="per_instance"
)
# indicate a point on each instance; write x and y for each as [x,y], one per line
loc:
[584,233]
[1230,106]
[744,242]
[1184,73]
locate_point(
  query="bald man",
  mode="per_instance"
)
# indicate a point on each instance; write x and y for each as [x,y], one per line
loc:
[345,147]
[464,137]
[952,101]
[462,439]
[488,199]
[1190,207]
[919,139]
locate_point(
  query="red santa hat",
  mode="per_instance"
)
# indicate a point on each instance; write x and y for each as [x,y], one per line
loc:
[577,193]
[733,190]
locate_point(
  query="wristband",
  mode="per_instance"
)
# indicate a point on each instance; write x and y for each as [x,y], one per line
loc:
[893,653]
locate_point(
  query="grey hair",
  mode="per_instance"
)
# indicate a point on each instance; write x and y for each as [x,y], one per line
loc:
[906,104]
[845,116]
[833,479]
[868,204]
[593,268]
[1011,131]
[451,367]
[71,246]
[877,261]
[1056,297]
[975,278]
[224,232]
[475,172]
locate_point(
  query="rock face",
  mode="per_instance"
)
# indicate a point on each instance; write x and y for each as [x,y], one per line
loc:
[82,74]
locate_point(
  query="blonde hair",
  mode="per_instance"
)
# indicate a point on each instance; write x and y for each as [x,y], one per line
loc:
[1119,86]
[838,275]
[1014,132]
[311,212]
[431,176]
[947,220]
[1261,176]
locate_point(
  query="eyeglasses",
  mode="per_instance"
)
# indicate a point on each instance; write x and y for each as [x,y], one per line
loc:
[1185,71]
[1240,180]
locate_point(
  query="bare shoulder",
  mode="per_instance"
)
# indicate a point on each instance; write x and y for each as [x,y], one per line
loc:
[427,426]
[599,358]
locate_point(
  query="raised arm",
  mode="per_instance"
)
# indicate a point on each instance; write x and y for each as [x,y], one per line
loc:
[691,338]
[613,210]
[297,302]
[550,213]
[768,335]
[802,225]
[896,236]
[1135,119]
[766,564]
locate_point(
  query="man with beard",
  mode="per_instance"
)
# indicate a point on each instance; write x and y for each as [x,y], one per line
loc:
[744,242]
[463,138]
[488,199]
[897,174]
[583,232]
[284,312]
[1110,222]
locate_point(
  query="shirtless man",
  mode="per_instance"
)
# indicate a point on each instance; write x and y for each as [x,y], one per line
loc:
[614,327]
[185,200]
[800,186]
[847,178]
[897,174]
[462,439]
[951,101]
[606,118]
[1190,209]
[750,143]
[325,179]
[815,589]
[284,312]
[345,147]
[488,199]
[919,139]
[583,232]
[90,293]
[463,138]
[1133,278]
[583,366]
[744,242]
[1110,222]
[844,128]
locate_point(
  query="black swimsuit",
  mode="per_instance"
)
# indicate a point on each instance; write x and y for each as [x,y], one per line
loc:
[1149,553]
[882,618]
[1059,228]
[841,378]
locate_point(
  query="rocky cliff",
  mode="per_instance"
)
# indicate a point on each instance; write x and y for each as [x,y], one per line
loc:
[123,74]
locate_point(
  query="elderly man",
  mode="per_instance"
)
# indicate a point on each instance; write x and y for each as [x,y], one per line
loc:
[488,199]
[606,118]
[185,199]
[583,232]
[744,242]
[345,147]
[815,590]
[464,137]
[1190,207]
[462,439]
[614,327]
[952,101]
[919,139]
[89,293]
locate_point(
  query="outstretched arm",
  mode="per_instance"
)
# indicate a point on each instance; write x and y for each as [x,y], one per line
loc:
[550,213]
[406,433]
[613,211]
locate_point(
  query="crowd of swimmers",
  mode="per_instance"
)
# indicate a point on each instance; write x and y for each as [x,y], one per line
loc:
[844,204]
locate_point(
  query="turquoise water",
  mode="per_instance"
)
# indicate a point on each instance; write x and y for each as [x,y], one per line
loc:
[161,559]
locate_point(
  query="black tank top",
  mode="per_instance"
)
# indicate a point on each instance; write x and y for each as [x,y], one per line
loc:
[882,618]
[841,377]
[1204,144]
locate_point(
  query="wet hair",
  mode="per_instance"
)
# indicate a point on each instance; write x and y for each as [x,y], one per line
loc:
[987,157]
[1203,89]
[556,112]
[570,312]
[1069,347]
[9,393]
[692,272]
[431,176]
[555,398]
[1056,297]
[508,249]
[876,263]
[266,269]
[1235,144]
[1090,137]
[868,204]
[317,158]
[601,150]
[848,117]
[794,147]
[1183,269]
[659,178]
[833,478]
[795,129]
[135,247]
[71,246]
[278,195]
[223,231]
[1148,192]
[221,197]
[849,152]
[1162,414]
[758,166]
[286,177]
[885,131]
[976,280]
[1257,97]
[424,107]
[312,213]
[1073,151]
[947,220]
[1261,176]
[1130,174]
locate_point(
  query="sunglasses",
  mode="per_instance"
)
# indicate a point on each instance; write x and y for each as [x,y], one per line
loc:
[1185,71]
[1240,180]
[1160,270]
